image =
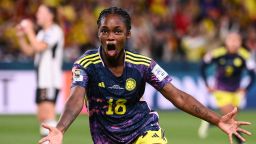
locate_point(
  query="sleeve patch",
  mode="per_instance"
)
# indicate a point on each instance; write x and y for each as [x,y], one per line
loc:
[77,75]
[159,72]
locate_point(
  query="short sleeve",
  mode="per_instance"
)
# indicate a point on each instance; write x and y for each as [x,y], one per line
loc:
[51,36]
[157,76]
[250,63]
[79,76]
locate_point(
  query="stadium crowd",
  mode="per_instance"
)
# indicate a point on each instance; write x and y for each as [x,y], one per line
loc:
[166,30]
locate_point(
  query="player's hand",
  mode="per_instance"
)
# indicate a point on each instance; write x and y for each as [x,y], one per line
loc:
[27,25]
[19,31]
[229,125]
[55,136]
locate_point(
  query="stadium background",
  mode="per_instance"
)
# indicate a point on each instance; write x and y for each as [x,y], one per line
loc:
[176,33]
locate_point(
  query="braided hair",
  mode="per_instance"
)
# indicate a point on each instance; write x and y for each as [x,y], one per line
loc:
[118,11]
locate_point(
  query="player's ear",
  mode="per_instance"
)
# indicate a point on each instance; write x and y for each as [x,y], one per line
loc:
[128,34]
[98,33]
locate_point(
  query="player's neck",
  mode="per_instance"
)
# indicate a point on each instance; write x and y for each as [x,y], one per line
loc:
[115,65]
[114,62]
[47,25]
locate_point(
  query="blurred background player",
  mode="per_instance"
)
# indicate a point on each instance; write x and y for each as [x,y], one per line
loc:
[113,81]
[47,46]
[230,62]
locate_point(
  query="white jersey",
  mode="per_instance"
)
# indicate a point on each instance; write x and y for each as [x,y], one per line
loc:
[49,61]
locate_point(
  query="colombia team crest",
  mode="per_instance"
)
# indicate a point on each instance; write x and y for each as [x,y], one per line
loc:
[130,84]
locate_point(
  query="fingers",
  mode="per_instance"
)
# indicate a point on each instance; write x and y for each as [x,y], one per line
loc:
[244,131]
[47,127]
[239,136]
[233,113]
[230,138]
[41,141]
[243,123]
[230,114]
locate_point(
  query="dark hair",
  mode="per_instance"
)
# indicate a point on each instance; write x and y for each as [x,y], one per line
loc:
[118,11]
[53,11]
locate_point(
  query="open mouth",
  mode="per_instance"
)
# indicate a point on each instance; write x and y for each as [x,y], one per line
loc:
[111,48]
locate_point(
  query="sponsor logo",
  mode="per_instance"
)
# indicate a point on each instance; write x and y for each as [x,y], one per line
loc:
[101,84]
[154,135]
[116,87]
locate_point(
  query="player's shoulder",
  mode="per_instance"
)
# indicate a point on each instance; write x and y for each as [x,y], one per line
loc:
[218,52]
[89,57]
[136,58]
[244,53]
[56,29]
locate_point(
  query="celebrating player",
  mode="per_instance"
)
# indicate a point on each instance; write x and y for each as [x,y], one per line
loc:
[113,80]
[231,61]
[47,46]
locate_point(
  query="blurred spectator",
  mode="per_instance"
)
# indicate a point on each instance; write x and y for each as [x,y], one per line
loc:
[194,43]
[250,41]
[160,27]
[141,34]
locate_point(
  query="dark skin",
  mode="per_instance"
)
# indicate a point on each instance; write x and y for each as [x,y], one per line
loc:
[113,31]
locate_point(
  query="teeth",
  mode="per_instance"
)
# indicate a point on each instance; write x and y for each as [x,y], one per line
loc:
[110,42]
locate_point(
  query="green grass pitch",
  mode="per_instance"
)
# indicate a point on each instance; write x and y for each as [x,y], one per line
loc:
[180,128]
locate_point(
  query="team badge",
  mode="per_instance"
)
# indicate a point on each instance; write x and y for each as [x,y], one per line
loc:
[130,84]
[77,75]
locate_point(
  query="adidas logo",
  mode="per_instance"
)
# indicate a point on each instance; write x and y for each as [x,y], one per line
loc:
[155,135]
[101,84]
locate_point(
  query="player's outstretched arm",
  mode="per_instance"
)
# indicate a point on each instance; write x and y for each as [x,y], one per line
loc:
[73,107]
[187,103]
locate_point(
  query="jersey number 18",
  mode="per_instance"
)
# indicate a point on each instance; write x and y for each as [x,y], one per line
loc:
[119,107]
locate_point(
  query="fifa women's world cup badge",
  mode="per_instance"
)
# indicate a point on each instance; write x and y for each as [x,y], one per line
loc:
[77,75]
[130,84]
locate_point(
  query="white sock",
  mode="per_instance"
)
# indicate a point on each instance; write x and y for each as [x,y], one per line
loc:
[203,129]
[44,131]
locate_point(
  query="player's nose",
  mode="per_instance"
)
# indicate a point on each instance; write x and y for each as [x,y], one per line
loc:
[111,36]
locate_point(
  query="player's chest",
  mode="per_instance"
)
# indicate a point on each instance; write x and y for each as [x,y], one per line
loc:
[235,62]
[109,84]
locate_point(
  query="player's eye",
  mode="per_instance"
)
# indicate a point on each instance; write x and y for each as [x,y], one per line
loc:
[118,31]
[104,31]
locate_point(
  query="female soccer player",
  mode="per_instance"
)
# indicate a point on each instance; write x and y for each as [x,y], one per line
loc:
[47,46]
[230,62]
[113,80]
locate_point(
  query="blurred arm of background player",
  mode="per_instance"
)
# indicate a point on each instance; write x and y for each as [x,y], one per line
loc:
[26,30]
